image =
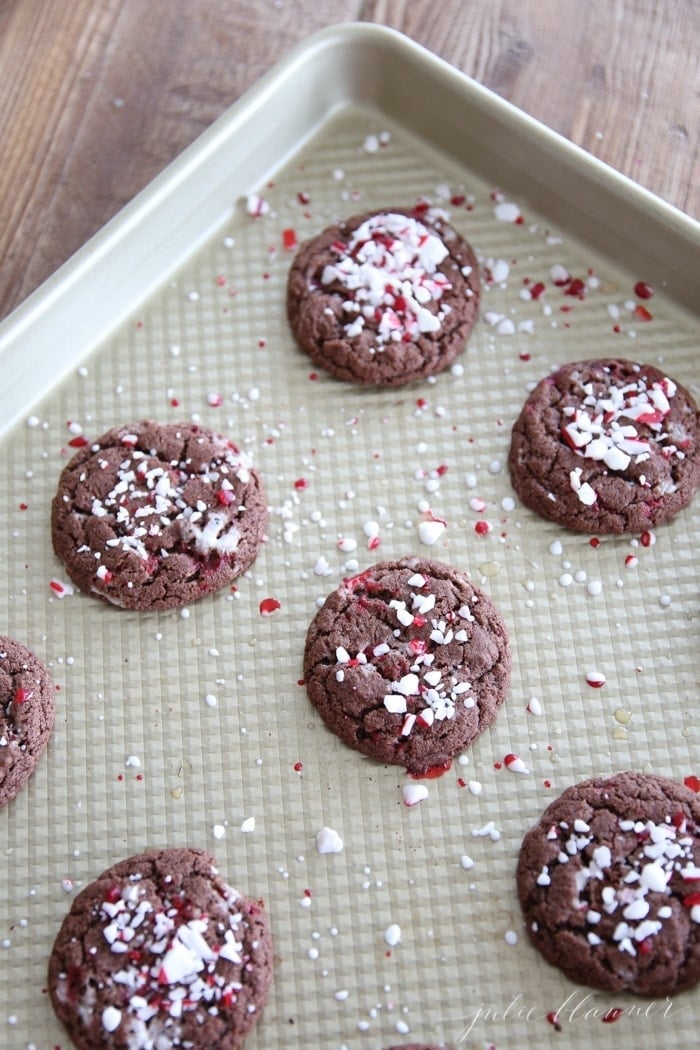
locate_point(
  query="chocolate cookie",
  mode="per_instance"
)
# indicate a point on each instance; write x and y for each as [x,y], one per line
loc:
[152,516]
[27,715]
[407,662]
[385,297]
[160,952]
[609,883]
[606,446]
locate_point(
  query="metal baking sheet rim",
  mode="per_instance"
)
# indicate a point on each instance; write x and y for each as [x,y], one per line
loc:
[354,64]
[120,268]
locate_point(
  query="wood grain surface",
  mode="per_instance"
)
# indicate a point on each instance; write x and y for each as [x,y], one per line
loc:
[97,96]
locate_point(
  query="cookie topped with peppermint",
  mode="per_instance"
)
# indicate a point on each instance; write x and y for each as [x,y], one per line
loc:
[386,297]
[161,952]
[408,662]
[609,884]
[607,446]
[153,515]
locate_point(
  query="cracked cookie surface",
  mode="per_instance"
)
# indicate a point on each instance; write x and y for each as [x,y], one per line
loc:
[160,952]
[153,516]
[606,446]
[384,298]
[408,662]
[27,714]
[609,884]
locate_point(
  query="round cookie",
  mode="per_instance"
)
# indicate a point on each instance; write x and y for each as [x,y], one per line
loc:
[385,297]
[27,714]
[153,516]
[609,884]
[407,662]
[606,446]
[160,952]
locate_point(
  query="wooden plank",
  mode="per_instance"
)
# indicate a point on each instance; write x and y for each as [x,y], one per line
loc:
[97,97]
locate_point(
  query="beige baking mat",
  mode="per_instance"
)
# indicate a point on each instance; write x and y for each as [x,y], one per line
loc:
[193,728]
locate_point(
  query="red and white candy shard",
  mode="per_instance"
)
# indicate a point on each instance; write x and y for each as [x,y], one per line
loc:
[390,271]
[603,427]
[663,850]
[515,764]
[61,588]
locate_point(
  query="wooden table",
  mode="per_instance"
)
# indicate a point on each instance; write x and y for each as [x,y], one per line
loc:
[97,96]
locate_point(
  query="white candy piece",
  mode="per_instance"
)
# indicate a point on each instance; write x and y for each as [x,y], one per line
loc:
[506,211]
[392,935]
[429,532]
[653,877]
[111,1018]
[329,841]
[414,793]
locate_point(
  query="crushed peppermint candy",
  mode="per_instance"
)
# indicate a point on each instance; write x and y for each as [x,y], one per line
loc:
[392,935]
[489,830]
[329,841]
[389,270]
[585,492]
[175,958]
[256,205]
[61,588]
[426,694]
[414,793]
[515,764]
[506,211]
[605,427]
[430,531]
[111,1018]
[634,886]
[150,501]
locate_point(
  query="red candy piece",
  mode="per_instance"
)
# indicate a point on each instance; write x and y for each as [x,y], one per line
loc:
[643,290]
[289,239]
[553,1018]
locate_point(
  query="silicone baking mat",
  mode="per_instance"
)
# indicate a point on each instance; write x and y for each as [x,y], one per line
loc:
[193,727]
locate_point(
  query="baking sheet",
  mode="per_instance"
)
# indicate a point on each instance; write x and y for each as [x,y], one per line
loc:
[178,728]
